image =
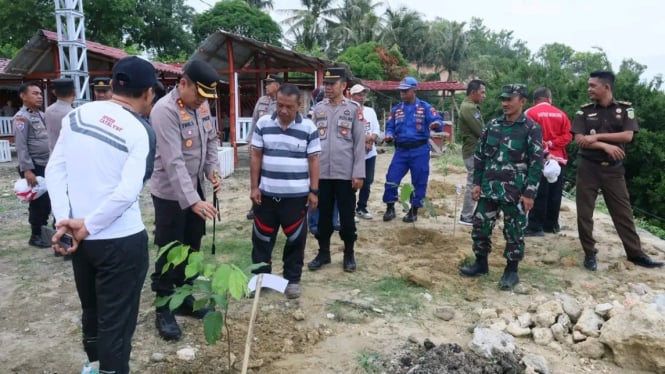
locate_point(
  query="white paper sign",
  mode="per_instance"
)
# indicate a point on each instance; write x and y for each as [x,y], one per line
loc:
[269,281]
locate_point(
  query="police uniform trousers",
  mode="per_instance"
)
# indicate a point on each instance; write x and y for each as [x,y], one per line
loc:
[173,223]
[109,276]
[331,190]
[363,195]
[484,219]
[291,215]
[547,205]
[592,176]
[415,160]
[40,208]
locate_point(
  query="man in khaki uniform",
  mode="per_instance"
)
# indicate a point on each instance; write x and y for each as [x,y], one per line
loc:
[342,166]
[32,150]
[65,92]
[267,104]
[186,155]
[102,88]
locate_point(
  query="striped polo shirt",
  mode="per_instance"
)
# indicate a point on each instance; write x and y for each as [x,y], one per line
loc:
[285,165]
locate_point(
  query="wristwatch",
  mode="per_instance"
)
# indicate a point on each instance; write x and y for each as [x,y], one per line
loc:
[315,191]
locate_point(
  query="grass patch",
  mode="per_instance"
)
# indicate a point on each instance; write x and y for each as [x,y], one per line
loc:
[369,362]
[541,279]
[399,294]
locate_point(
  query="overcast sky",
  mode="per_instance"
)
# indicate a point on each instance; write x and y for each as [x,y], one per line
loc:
[633,29]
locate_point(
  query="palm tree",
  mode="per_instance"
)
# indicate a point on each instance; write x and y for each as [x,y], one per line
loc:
[405,28]
[449,46]
[357,23]
[308,26]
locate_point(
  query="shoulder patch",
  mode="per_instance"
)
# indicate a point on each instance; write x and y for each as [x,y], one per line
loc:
[630,113]
[586,105]
[627,103]
[579,113]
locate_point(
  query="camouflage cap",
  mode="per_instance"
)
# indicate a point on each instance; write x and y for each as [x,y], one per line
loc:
[511,90]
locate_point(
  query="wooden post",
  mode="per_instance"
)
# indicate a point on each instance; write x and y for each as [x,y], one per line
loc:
[233,96]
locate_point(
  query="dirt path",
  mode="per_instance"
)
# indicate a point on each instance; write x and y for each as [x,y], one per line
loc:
[345,318]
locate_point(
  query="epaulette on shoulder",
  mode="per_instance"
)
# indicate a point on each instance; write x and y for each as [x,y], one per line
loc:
[354,103]
[626,103]
[586,105]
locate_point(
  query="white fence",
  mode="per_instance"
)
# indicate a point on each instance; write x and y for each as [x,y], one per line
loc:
[6,126]
[243,125]
[5,152]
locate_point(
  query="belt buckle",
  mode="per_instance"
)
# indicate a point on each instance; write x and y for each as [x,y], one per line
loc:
[604,163]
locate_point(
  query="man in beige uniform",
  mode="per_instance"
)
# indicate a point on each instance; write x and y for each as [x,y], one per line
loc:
[102,88]
[65,92]
[186,155]
[342,167]
[32,151]
[267,104]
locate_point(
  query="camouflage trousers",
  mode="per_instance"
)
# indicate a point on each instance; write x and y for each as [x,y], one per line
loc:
[514,222]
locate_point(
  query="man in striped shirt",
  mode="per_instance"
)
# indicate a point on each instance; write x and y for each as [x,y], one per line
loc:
[285,154]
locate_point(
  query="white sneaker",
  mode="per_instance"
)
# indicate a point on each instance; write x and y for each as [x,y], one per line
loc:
[363,213]
[355,219]
[465,221]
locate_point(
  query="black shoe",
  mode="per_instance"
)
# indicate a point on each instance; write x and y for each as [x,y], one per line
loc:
[318,262]
[508,280]
[645,261]
[166,324]
[187,309]
[349,263]
[250,214]
[411,216]
[37,241]
[531,232]
[475,270]
[590,262]
[390,214]
[552,230]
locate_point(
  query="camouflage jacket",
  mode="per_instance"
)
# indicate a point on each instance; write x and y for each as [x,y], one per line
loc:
[508,161]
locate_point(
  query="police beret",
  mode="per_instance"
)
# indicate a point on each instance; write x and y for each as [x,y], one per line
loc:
[204,76]
[332,75]
[134,72]
[63,84]
[101,83]
[274,78]
[515,89]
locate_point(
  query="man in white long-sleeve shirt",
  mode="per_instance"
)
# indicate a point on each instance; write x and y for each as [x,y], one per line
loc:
[102,157]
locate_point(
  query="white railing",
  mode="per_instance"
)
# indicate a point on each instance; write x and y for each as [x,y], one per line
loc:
[243,125]
[5,151]
[6,126]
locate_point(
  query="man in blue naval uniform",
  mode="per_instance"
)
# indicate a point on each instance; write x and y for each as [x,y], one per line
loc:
[409,126]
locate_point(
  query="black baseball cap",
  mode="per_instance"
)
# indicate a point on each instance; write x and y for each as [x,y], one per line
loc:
[332,75]
[101,83]
[134,72]
[204,76]
[273,78]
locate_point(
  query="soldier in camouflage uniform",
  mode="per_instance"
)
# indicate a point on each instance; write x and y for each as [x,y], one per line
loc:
[508,164]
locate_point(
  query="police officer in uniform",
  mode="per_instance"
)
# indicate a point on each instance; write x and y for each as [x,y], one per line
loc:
[601,129]
[102,88]
[342,166]
[409,125]
[506,172]
[64,91]
[32,149]
[267,104]
[186,156]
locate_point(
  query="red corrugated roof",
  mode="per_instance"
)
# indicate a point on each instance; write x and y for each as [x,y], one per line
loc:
[114,53]
[422,86]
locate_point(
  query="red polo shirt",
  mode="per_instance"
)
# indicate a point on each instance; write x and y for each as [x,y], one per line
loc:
[556,129]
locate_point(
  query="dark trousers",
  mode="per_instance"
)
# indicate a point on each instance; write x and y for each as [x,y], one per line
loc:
[545,212]
[109,276]
[331,190]
[38,209]
[174,224]
[363,196]
[291,215]
[591,177]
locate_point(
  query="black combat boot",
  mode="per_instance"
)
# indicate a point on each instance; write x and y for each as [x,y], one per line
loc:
[187,309]
[390,212]
[477,269]
[349,259]
[411,216]
[166,324]
[509,278]
[322,258]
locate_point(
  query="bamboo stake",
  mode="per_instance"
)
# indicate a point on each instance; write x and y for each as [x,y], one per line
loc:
[250,330]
